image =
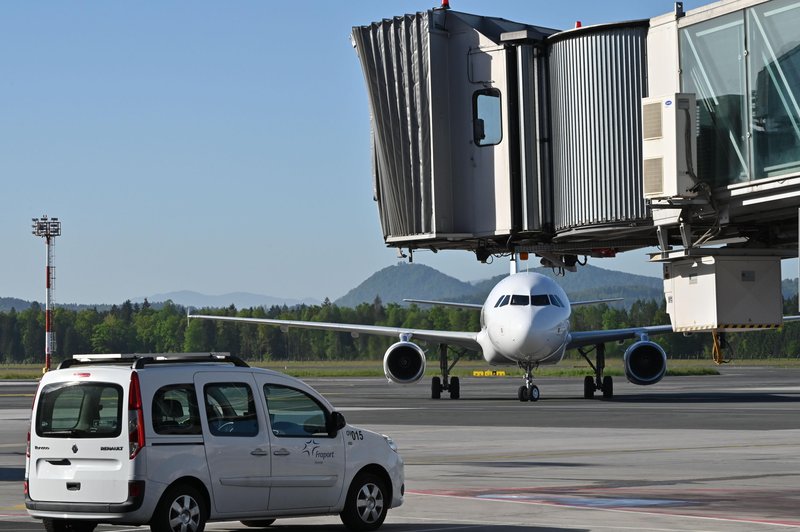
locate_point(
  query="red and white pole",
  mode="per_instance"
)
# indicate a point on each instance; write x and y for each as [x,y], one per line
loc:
[49,229]
[48,305]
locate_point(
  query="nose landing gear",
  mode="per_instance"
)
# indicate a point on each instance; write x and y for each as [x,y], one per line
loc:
[529,391]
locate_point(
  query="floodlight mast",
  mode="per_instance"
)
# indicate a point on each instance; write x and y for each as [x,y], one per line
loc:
[49,229]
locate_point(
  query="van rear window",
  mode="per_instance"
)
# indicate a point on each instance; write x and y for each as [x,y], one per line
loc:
[80,410]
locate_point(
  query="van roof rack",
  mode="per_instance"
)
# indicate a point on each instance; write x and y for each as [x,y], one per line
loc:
[140,360]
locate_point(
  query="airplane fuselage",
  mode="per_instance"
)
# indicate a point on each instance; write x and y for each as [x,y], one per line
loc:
[525,320]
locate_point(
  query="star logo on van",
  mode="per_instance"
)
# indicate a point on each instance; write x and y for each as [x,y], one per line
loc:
[310,447]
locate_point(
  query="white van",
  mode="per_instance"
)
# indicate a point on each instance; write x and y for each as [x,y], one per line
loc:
[174,441]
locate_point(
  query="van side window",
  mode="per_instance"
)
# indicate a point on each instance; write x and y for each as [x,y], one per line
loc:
[80,410]
[294,414]
[175,410]
[230,409]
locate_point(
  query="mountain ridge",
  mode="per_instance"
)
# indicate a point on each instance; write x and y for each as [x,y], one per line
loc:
[403,280]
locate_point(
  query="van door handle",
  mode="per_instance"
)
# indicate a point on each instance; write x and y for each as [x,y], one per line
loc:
[259,452]
[281,452]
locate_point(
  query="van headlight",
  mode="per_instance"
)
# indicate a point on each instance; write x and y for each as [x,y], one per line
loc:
[390,442]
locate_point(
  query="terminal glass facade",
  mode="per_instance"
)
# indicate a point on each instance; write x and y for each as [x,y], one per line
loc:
[745,70]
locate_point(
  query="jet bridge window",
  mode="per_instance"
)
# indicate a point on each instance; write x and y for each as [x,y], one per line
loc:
[487,125]
[745,69]
[774,76]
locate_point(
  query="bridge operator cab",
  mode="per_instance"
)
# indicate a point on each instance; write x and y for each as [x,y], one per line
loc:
[174,441]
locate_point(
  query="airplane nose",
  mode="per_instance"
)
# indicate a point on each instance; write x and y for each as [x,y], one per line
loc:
[544,336]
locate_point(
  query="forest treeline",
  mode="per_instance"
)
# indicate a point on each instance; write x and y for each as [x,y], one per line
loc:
[143,328]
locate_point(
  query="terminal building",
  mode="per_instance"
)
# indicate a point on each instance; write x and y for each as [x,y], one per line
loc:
[681,132]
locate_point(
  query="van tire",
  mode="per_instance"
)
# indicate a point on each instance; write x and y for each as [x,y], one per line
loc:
[65,525]
[181,509]
[257,523]
[367,503]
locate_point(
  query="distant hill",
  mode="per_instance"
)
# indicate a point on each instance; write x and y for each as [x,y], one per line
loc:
[395,283]
[404,280]
[7,303]
[187,298]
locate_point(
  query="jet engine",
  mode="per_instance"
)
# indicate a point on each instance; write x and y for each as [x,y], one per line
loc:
[645,363]
[404,363]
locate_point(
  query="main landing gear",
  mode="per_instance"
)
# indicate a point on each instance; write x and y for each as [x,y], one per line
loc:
[598,382]
[529,391]
[445,382]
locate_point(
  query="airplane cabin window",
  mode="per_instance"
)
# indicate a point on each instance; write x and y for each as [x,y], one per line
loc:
[521,301]
[540,300]
[556,301]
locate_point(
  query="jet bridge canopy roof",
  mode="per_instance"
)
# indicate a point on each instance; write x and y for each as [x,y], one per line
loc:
[493,136]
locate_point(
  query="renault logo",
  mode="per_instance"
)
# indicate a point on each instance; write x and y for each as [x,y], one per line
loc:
[74,448]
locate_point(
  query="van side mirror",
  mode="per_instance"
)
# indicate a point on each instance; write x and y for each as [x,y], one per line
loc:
[336,423]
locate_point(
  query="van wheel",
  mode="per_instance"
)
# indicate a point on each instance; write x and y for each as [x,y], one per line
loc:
[181,509]
[258,523]
[366,504]
[66,525]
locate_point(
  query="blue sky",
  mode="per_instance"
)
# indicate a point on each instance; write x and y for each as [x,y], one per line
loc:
[208,146]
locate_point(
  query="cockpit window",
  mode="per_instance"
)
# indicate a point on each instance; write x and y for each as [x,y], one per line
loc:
[540,300]
[521,301]
[556,301]
[503,301]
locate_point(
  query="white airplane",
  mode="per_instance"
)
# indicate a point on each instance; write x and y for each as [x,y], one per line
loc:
[525,323]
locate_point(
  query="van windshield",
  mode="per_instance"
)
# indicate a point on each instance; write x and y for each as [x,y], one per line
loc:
[80,410]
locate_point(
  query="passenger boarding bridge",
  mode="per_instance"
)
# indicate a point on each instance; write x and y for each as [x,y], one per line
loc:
[681,131]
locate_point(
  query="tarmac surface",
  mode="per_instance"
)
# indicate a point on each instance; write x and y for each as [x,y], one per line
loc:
[711,453]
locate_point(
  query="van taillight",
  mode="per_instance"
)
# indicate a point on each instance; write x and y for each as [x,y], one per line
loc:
[135,417]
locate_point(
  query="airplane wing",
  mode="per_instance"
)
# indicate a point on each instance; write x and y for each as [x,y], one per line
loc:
[583,338]
[468,340]
[595,301]
[471,306]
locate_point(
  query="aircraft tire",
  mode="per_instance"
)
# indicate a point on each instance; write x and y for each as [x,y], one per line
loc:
[588,387]
[455,388]
[534,393]
[436,388]
[522,394]
[608,387]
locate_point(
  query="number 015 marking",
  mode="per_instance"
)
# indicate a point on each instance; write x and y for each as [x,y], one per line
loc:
[355,435]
